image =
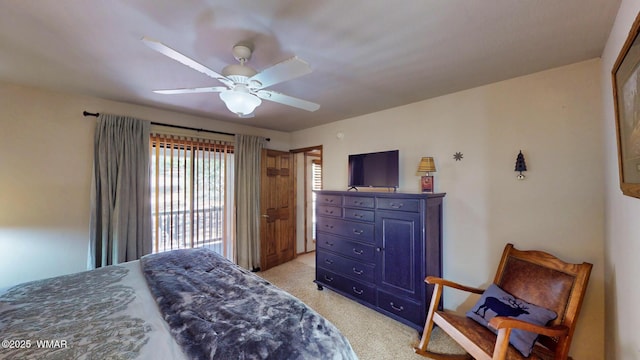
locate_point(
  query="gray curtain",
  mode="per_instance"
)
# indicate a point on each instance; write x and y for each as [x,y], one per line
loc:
[120,193]
[248,150]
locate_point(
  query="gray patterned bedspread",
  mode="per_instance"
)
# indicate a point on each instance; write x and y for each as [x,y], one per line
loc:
[78,316]
[217,310]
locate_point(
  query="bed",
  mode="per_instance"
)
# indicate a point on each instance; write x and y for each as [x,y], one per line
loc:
[182,304]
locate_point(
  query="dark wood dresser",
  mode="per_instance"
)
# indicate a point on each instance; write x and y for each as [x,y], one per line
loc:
[377,248]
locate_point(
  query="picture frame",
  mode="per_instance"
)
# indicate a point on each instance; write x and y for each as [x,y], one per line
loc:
[426,184]
[626,97]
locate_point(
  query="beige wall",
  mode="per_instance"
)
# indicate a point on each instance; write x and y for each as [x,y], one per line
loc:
[554,117]
[622,244]
[46,148]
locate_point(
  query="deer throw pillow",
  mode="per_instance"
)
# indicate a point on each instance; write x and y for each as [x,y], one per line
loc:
[497,302]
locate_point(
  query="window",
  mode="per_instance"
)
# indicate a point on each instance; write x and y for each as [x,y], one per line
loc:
[316,184]
[191,193]
[316,173]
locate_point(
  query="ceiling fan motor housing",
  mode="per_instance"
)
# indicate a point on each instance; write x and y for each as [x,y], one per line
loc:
[238,73]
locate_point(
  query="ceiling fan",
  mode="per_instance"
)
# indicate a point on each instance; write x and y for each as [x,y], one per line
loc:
[245,88]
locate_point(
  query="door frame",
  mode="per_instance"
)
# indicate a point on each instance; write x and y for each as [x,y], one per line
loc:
[317,152]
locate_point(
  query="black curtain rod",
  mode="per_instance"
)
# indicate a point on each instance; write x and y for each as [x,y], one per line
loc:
[86,113]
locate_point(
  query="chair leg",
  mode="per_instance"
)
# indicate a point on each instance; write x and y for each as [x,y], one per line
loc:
[428,329]
[428,325]
[502,344]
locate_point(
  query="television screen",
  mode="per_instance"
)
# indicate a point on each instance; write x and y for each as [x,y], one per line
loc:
[377,169]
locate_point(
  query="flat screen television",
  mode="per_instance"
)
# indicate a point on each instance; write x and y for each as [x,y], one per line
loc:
[376,169]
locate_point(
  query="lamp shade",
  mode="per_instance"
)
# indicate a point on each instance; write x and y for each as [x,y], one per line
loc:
[427,165]
[240,100]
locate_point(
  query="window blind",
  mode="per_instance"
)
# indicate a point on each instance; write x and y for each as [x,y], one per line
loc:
[192,193]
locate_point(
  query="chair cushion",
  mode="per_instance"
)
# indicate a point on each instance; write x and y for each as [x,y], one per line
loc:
[497,302]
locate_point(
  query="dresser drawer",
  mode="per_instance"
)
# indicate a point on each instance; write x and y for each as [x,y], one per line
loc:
[352,229]
[335,200]
[402,307]
[399,204]
[355,250]
[352,268]
[329,210]
[355,289]
[359,214]
[359,201]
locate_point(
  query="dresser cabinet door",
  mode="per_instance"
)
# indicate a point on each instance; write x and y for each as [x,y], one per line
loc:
[399,248]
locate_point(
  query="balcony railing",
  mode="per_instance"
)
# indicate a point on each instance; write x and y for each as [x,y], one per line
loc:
[173,229]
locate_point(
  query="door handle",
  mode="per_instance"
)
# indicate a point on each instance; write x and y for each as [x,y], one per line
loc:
[265,215]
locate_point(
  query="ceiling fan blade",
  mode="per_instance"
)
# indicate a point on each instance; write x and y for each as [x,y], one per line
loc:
[167,51]
[280,72]
[287,100]
[191,90]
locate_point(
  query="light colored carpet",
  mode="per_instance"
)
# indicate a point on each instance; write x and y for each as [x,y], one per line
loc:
[372,335]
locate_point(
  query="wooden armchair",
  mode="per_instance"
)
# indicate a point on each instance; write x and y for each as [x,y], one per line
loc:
[533,276]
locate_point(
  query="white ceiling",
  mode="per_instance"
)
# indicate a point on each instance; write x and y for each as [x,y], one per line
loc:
[366,55]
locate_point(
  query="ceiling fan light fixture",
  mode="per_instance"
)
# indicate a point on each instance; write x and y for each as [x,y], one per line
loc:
[240,101]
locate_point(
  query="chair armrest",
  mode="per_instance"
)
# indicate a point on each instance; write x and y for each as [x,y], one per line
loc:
[500,322]
[451,284]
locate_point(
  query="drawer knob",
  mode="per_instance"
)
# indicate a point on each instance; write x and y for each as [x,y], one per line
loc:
[358,252]
[328,279]
[328,243]
[396,308]
[396,205]
[358,231]
[328,261]
[357,291]
[357,272]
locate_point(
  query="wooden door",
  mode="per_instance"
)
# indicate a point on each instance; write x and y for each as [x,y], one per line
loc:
[277,223]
